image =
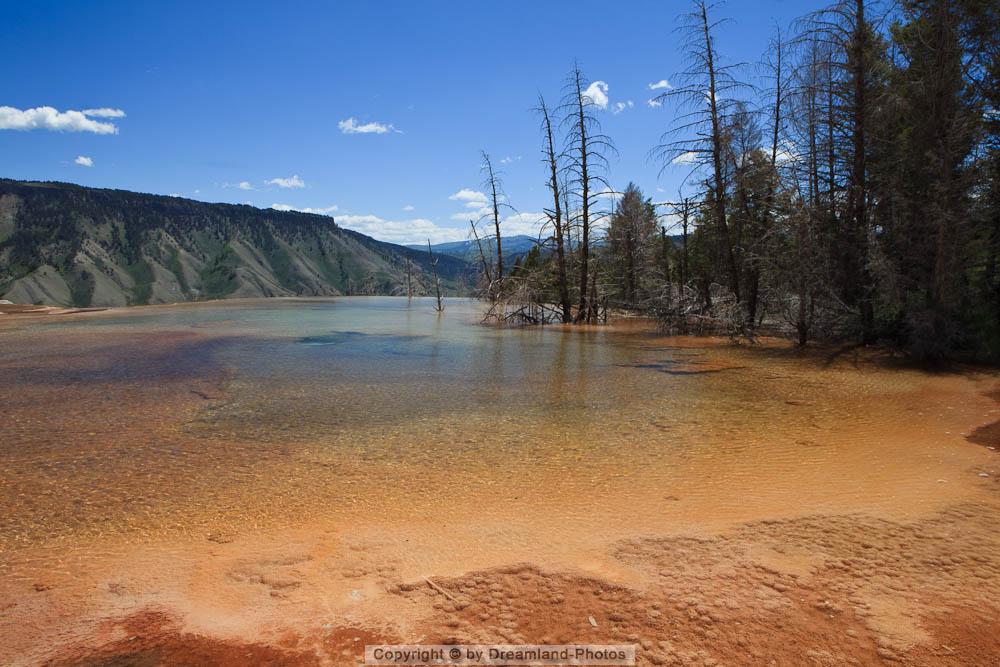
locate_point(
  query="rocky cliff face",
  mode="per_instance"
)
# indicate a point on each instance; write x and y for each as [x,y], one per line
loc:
[63,244]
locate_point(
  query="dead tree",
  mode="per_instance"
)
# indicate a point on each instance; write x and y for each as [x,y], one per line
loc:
[492,182]
[555,215]
[409,279]
[850,46]
[439,306]
[498,202]
[586,148]
[487,274]
[706,89]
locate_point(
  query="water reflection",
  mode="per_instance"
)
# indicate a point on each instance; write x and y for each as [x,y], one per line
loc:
[353,411]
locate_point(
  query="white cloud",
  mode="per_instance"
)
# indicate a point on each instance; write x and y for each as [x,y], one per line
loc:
[408,207]
[318,211]
[292,182]
[83,161]
[242,185]
[690,157]
[621,106]
[528,224]
[350,126]
[104,112]
[467,195]
[49,118]
[465,216]
[412,231]
[597,93]
[508,159]
[174,194]
[786,152]
[662,84]
[654,103]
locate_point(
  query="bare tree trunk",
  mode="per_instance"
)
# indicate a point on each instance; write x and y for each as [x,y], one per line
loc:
[409,279]
[831,156]
[812,121]
[859,186]
[557,214]
[482,256]
[439,307]
[720,191]
[684,241]
[585,195]
[492,182]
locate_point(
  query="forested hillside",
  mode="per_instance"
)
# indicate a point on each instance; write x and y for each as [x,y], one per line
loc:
[63,244]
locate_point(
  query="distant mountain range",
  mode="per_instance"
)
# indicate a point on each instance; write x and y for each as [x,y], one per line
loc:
[64,244]
[513,246]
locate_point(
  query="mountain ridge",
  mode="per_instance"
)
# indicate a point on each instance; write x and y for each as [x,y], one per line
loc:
[64,244]
[513,246]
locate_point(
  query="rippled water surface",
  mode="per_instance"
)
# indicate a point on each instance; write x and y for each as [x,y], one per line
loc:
[224,418]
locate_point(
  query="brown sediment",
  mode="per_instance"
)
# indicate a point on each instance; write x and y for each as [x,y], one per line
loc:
[156,638]
[822,590]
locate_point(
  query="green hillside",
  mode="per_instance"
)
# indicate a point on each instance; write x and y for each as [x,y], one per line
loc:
[63,244]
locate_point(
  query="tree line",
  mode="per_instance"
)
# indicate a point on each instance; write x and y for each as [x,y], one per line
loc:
[845,187]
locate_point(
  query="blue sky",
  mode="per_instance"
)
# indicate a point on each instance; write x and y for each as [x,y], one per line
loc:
[266,103]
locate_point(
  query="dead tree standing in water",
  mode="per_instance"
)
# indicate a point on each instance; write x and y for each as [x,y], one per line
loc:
[492,183]
[497,201]
[487,274]
[409,279]
[439,306]
[585,152]
[556,214]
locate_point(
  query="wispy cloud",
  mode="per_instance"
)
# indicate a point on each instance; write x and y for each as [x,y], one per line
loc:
[83,161]
[104,112]
[408,207]
[509,159]
[318,211]
[653,102]
[351,126]
[662,84]
[242,185]
[528,224]
[49,118]
[621,106]
[291,182]
[597,93]
[465,216]
[690,157]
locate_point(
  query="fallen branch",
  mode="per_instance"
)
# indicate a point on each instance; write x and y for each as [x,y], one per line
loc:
[440,590]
